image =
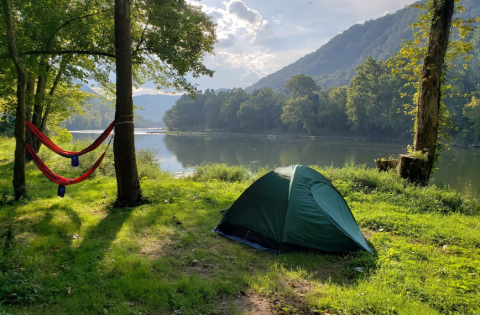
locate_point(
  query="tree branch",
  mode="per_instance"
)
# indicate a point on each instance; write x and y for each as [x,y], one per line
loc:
[67,52]
[142,39]
[68,22]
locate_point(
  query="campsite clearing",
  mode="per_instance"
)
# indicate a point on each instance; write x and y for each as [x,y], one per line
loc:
[79,255]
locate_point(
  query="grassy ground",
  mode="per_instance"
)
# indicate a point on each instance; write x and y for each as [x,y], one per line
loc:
[80,255]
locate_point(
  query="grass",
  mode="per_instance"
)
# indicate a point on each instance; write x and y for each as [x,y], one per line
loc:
[79,255]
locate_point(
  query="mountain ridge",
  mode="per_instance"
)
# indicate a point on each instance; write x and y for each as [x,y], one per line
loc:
[334,63]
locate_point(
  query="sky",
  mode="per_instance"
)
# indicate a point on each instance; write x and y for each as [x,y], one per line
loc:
[259,37]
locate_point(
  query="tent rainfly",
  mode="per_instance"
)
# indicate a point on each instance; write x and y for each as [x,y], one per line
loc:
[289,208]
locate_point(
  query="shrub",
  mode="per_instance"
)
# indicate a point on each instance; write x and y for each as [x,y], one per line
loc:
[148,165]
[223,172]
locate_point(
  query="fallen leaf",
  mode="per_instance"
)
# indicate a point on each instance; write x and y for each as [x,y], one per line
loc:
[69,290]
[105,311]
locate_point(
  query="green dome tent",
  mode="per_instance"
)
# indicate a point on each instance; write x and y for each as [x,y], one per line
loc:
[291,207]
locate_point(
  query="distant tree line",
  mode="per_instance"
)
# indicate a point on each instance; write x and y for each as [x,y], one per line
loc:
[367,106]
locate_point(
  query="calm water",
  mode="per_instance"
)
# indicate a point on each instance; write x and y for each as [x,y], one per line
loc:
[460,168]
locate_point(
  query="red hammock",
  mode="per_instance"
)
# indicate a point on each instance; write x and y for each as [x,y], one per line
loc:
[57,179]
[69,154]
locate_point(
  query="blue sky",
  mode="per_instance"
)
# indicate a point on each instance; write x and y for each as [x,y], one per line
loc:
[259,37]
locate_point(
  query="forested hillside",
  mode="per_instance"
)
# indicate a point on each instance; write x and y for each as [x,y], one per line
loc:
[377,103]
[334,63]
[97,113]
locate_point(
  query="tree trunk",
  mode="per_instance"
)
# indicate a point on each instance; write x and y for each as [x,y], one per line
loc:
[39,101]
[412,168]
[430,94]
[128,186]
[53,89]
[19,186]
[385,165]
[29,97]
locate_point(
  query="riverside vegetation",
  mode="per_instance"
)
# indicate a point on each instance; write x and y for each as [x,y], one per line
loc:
[81,255]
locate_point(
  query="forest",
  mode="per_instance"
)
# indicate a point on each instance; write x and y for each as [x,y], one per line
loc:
[377,103]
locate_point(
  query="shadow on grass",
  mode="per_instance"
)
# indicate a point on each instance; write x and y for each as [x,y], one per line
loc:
[99,238]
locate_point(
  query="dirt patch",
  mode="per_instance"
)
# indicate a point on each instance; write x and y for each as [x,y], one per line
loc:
[200,268]
[244,304]
[274,303]
[153,247]
[295,302]
[368,234]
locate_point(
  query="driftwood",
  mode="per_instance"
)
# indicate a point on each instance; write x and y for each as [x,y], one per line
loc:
[385,165]
[412,168]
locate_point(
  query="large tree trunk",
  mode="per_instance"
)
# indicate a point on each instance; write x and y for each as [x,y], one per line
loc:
[19,186]
[430,94]
[128,186]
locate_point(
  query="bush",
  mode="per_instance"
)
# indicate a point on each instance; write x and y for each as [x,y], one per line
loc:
[357,179]
[148,165]
[223,172]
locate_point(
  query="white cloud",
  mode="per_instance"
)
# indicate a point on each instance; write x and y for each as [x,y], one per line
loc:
[226,42]
[256,62]
[385,13]
[362,21]
[235,18]
[277,19]
[238,8]
[149,90]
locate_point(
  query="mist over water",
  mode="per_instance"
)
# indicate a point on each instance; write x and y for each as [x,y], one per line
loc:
[459,168]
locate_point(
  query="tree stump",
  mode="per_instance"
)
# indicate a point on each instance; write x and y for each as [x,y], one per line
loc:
[385,165]
[413,169]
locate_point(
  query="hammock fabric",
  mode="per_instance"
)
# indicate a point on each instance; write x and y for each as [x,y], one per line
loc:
[60,180]
[69,154]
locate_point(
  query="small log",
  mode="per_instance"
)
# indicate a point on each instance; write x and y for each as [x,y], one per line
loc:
[385,165]
[413,169]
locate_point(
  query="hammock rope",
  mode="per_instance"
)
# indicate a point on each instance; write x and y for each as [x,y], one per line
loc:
[60,180]
[55,178]
[69,154]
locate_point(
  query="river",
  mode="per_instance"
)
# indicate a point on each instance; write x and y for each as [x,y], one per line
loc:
[459,168]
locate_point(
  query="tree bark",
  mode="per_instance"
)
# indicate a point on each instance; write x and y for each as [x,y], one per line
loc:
[39,101]
[53,89]
[385,165]
[29,97]
[430,93]
[128,186]
[19,186]
[412,168]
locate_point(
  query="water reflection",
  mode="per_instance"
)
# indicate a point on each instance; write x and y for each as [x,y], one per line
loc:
[459,167]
